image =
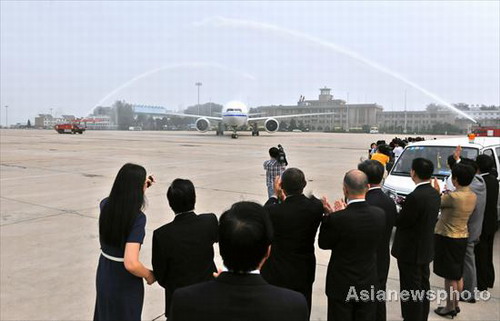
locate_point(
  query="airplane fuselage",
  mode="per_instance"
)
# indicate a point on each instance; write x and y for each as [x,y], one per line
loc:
[235,115]
[234,119]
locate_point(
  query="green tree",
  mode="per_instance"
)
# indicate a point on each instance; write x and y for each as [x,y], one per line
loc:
[28,124]
[123,115]
[141,120]
[283,126]
[293,124]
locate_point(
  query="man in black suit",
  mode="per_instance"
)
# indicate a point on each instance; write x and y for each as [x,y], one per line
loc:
[484,249]
[413,245]
[183,251]
[240,293]
[374,170]
[353,234]
[292,263]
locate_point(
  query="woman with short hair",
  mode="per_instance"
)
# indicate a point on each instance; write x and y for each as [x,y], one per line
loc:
[120,274]
[451,235]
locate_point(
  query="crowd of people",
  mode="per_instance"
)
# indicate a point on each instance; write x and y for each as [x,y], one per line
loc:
[387,154]
[268,251]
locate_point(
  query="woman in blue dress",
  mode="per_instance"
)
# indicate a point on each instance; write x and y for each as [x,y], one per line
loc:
[120,274]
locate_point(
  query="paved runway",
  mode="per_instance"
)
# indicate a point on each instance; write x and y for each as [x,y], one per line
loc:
[51,186]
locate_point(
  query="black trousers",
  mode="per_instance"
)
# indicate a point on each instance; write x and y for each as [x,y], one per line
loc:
[484,262]
[340,310]
[381,314]
[414,277]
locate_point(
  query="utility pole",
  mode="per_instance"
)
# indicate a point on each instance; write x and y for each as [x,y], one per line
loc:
[347,112]
[6,116]
[198,84]
[404,130]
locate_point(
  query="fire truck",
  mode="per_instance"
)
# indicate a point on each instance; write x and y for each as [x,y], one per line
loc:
[486,131]
[69,128]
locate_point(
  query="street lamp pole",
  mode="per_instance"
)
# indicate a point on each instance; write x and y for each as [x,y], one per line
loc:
[404,130]
[6,116]
[198,84]
[347,113]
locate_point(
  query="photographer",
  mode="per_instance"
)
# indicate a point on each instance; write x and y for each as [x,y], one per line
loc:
[274,167]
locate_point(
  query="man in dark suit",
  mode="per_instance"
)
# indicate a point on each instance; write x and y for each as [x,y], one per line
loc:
[484,249]
[183,249]
[375,173]
[292,263]
[240,293]
[353,234]
[413,245]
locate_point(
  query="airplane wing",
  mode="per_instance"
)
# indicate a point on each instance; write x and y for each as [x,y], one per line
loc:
[288,116]
[195,116]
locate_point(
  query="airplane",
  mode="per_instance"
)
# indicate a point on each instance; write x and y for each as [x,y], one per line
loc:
[235,115]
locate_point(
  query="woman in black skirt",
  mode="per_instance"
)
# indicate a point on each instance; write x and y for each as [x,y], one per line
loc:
[120,274]
[451,236]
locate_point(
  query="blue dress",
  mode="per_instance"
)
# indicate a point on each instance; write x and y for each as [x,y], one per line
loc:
[120,294]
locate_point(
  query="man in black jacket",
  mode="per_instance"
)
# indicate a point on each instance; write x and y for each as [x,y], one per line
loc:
[375,173]
[240,293]
[183,249]
[484,249]
[292,263]
[353,234]
[413,245]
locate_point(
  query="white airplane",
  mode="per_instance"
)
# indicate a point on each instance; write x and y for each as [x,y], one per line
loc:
[235,115]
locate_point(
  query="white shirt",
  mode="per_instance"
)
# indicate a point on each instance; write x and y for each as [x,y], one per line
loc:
[358,200]
[397,151]
[224,269]
[422,183]
[374,187]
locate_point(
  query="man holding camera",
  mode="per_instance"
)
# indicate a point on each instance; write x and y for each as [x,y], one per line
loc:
[274,167]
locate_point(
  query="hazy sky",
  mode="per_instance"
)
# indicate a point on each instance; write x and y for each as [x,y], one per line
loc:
[70,55]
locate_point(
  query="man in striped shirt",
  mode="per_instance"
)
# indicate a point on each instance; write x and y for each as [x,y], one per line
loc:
[273,168]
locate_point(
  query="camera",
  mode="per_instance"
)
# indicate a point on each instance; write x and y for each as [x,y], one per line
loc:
[282,156]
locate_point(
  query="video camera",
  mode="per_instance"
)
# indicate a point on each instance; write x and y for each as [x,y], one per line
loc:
[282,156]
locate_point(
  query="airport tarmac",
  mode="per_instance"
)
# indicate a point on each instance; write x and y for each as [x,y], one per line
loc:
[51,185]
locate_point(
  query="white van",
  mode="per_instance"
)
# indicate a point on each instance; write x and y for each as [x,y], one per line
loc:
[398,183]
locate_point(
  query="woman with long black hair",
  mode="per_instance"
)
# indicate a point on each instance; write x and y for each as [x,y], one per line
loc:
[120,274]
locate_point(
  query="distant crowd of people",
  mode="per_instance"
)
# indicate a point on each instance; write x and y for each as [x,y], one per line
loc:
[268,251]
[387,154]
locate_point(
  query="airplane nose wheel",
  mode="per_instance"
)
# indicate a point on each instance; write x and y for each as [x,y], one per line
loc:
[234,136]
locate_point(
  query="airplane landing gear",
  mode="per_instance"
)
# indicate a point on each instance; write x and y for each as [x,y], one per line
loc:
[234,135]
[220,130]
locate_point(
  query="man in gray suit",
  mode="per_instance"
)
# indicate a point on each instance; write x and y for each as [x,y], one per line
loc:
[474,226]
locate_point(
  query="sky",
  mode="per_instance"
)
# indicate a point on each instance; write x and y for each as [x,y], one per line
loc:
[69,56]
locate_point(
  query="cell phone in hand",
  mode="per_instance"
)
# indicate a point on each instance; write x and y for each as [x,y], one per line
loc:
[150,181]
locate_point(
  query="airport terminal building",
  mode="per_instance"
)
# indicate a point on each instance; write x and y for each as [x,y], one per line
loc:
[360,117]
[346,116]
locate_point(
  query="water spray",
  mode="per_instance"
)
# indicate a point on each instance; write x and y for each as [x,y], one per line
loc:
[171,67]
[280,31]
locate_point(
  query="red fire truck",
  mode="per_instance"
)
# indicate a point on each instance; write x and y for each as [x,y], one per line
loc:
[486,131]
[69,128]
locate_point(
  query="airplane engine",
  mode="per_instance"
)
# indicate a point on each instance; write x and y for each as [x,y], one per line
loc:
[202,124]
[271,125]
